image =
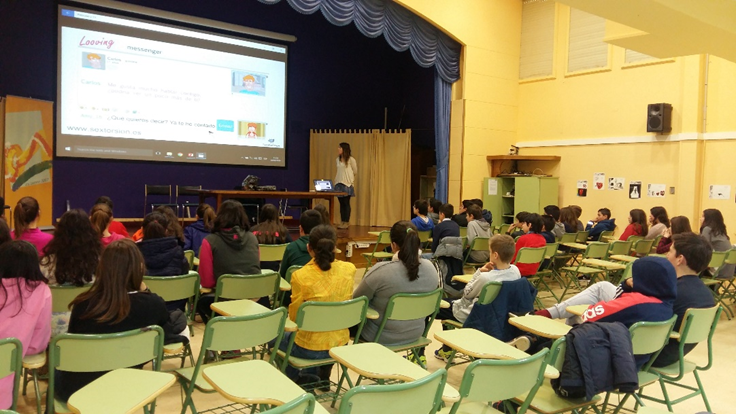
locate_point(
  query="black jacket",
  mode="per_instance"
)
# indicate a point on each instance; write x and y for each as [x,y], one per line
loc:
[445,228]
[164,257]
[599,358]
[516,296]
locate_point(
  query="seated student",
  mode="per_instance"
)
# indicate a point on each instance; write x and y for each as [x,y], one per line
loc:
[548,224]
[323,279]
[4,232]
[231,248]
[25,219]
[118,301]
[460,218]
[115,226]
[197,231]
[296,253]
[532,226]
[446,227]
[405,273]
[477,227]
[101,216]
[678,224]
[270,230]
[568,220]
[498,269]
[71,258]
[322,210]
[515,229]
[659,220]
[637,224]
[578,212]
[602,222]
[713,229]
[434,210]
[421,221]
[553,211]
[487,216]
[173,229]
[25,305]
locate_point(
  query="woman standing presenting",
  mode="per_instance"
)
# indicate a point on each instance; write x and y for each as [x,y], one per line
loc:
[347,169]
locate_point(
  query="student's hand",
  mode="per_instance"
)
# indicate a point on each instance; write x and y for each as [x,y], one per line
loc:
[488,267]
[630,282]
[667,233]
[143,286]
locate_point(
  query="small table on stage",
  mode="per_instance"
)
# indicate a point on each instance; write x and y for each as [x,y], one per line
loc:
[225,194]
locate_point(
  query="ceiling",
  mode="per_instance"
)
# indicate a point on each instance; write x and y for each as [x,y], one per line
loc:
[667,28]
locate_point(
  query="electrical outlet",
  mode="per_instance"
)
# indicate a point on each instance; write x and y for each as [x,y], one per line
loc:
[672,190]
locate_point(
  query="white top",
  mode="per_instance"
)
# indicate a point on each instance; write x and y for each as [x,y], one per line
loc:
[461,308]
[344,174]
[655,231]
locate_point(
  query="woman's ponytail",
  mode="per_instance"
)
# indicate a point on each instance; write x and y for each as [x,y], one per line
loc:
[25,211]
[322,241]
[100,216]
[154,226]
[207,214]
[405,235]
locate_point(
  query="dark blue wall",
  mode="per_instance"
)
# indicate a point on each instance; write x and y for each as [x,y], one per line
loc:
[337,78]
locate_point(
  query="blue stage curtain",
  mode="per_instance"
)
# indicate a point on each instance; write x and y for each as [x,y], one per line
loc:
[402,29]
[442,101]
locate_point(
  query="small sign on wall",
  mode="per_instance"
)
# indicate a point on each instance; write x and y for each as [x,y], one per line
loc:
[656,190]
[582,189]
[599,181]
[719,192]
[616,183]
[635,190]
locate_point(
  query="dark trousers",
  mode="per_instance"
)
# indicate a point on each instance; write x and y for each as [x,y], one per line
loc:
[445,314]
[344,208]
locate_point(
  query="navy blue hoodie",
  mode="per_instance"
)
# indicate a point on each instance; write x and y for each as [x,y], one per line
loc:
[594,232]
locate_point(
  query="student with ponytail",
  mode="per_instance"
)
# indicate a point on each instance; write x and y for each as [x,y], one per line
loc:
[323,279]
[197,231]
[25,220]
[162,253]
[101,217]
[405,273]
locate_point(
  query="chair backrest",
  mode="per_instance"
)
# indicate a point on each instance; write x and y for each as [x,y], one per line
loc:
[699,324]
[424,235]
[628,271]
[304,404]
[480,244]
[551,250]
[605,235]
[384,237]
[172,288]
[463,231]
[495,380]
[164,190]
[531,255]
[489,292]
[226,333]
[634,239]
[504,229]
[189,255]
[643,247]
[62,296]
[650,337]
[291,270]
[568,238]
[332,316]
[596,250]
[619,247]
[272,252]
[731,258]
[717,260]
[421,396]
[11,361]
[655,243]
[411,306]
[247,286]
[581,237]
[188,190]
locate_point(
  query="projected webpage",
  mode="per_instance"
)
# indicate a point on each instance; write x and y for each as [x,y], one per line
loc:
[136,90]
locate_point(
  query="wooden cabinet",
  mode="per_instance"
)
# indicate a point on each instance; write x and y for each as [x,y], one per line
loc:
[506,196]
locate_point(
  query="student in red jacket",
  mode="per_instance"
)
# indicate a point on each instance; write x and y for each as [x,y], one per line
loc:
[637,224]
[532,227]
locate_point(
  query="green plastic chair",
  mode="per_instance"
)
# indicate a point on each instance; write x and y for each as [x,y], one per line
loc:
[727,288]
[698,326]
[104,352]
[424,236]
[324,317]
[287,278]
[302,405]
[488,293]
[546,401]
[619,247]
[647,338]
[11,357]
[247,286]
[272,252]
[463,231]
[62,296]
[719,287]
[595,250]
[225,334]
[568,238]
[655,243]
[582,236]
[407,307]
[634,239]
[531,255]
[172,288]
[643,247]
[479,244]
[606,235]
[504,228]
[189,255]
[546,271]
[421,396]
[384,239]
[490,380]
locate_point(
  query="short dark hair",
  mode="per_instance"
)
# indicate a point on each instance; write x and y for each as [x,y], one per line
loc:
[104,200]
[230,214]
[474,211]
[447,209]
[504,245]
[553,211]
[467,203]
[535,222]
[422,206]
[435,204]
[695,248]
[548,222]
[521,216]
[606,212]
[478,202]
[309,220]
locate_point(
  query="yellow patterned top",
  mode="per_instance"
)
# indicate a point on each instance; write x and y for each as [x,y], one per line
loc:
[310,283]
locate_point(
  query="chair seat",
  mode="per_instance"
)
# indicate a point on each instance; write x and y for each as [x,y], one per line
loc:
[200,383]
[173,349]
[710,282]
[471,407]
[60,407]
[34,361]
[582,270]
[419,343]
[302,363]
[378,255]
[453,323]
[547,402]
[673,370]
[103,394]
[647,378]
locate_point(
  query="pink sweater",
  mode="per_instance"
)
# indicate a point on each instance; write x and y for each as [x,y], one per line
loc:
[111,238]
[31,324]
[36,237]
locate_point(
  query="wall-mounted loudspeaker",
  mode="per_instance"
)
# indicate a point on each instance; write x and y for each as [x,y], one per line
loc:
[659,117]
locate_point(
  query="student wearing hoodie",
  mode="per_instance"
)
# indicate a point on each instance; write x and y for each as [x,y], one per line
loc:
[423,223]
[477,227]
[559,228]
[602,222]
[231,248]
[197,231]
[296,253]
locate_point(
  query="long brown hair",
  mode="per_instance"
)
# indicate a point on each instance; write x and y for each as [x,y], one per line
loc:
[173,226]
[120,271]
[19,260]
[346,153]
[567,216]
[680,224]
[638,216]
[100,216]
[25,211]
[206,213]
[75,249]
[270,230]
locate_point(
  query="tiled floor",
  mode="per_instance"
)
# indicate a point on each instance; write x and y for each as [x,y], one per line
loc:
[717,381]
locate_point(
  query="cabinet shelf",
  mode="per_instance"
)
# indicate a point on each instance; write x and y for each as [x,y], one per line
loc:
[498,161]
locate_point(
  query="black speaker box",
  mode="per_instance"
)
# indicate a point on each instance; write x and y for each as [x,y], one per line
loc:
[659,117]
